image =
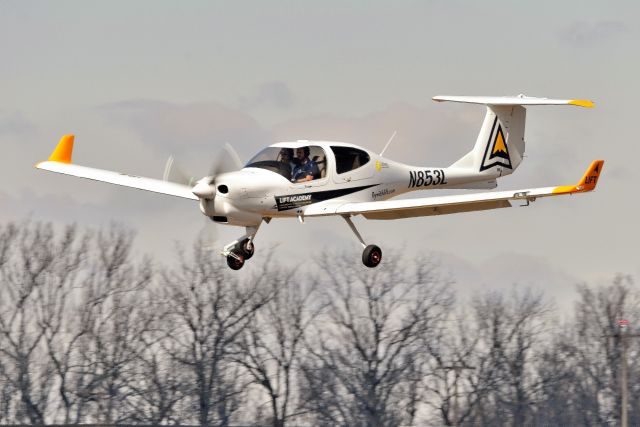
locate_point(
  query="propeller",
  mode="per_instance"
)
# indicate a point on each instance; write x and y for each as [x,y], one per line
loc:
[227,161]
[205,188]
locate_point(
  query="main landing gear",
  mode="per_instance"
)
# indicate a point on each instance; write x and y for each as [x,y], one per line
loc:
[372,254]
[240,250]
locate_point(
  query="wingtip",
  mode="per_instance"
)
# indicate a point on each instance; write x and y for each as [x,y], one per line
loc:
[63,151]
[587,183]
[582,103]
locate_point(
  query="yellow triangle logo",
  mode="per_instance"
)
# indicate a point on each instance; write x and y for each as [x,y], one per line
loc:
[497,151]
[499,145]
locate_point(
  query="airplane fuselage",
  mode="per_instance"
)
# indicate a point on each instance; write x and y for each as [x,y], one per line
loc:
[257,191]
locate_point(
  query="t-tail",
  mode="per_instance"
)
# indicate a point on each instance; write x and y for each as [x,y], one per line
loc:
[500,146]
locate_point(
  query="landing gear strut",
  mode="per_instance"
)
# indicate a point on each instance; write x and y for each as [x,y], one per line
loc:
[240,250]
[245,247]
[372,254]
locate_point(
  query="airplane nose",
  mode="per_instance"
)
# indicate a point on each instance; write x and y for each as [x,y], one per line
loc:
[204,190]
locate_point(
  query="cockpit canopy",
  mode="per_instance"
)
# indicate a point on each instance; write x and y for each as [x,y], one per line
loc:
[295,164]
[300,163]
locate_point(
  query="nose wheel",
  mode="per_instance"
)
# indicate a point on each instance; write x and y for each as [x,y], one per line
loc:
[371,256]
[235,260]
[240,250]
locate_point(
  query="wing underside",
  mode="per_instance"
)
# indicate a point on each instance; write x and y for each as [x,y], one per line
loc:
[444,205]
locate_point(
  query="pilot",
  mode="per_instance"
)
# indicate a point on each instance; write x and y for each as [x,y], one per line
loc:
[306,169]
[286,156]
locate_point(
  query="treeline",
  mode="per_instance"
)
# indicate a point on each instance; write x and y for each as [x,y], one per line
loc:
[90,333]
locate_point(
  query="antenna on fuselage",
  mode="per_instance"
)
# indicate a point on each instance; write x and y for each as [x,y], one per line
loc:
[389,142]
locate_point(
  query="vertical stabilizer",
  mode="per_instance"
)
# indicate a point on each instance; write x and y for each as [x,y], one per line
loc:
[500,146]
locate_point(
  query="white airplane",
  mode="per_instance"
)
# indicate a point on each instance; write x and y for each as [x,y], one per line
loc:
[335,178]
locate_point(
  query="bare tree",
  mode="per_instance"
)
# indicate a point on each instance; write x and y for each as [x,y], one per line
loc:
[33,263]
[451,383]
[511,335]
[365,352]
[88,335]
[56,313]
[595,347]
[117,321]
[208,308]
[271,345]
[558,397]
[160,383]
[85,316]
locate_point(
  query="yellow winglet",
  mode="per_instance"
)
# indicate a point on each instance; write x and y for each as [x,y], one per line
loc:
[582,103]
[588,181]
[63,150]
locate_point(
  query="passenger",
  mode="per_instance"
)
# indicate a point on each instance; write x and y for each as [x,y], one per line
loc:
[306,169]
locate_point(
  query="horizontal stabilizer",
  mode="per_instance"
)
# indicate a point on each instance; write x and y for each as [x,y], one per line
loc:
[513,100]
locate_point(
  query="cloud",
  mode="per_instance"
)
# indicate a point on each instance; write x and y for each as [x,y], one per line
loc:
[425,136]
[179,128]
[269,94]
[15,124]
[583,34]
[507,270]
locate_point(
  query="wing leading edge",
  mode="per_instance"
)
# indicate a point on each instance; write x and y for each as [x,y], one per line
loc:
[60,162]
[409,208]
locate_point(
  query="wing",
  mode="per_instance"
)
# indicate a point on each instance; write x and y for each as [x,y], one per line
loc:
[60,162]
[408,208]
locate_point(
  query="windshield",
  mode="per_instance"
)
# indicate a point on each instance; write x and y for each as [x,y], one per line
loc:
[278,160]
[301,164]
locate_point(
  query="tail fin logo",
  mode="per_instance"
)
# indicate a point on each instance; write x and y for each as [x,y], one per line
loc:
[497,151]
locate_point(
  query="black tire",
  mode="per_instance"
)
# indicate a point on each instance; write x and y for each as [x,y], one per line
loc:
[243,248]
[234,263]
[371,256]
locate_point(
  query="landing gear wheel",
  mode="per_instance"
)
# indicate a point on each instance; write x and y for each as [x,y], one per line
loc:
[246,248]
[371,256]
[235,263]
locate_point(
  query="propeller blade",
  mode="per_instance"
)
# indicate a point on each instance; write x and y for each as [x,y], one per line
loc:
[173,173]
[233,154]
[227,161]
[205,188]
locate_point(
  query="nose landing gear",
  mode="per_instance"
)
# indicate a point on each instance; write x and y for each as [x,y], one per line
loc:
[240,250]
[247,247]
[372,254]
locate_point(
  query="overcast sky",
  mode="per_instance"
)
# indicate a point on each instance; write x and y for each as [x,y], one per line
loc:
[139,81]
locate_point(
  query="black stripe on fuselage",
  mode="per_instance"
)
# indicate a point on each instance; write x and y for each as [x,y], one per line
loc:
[293,201]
